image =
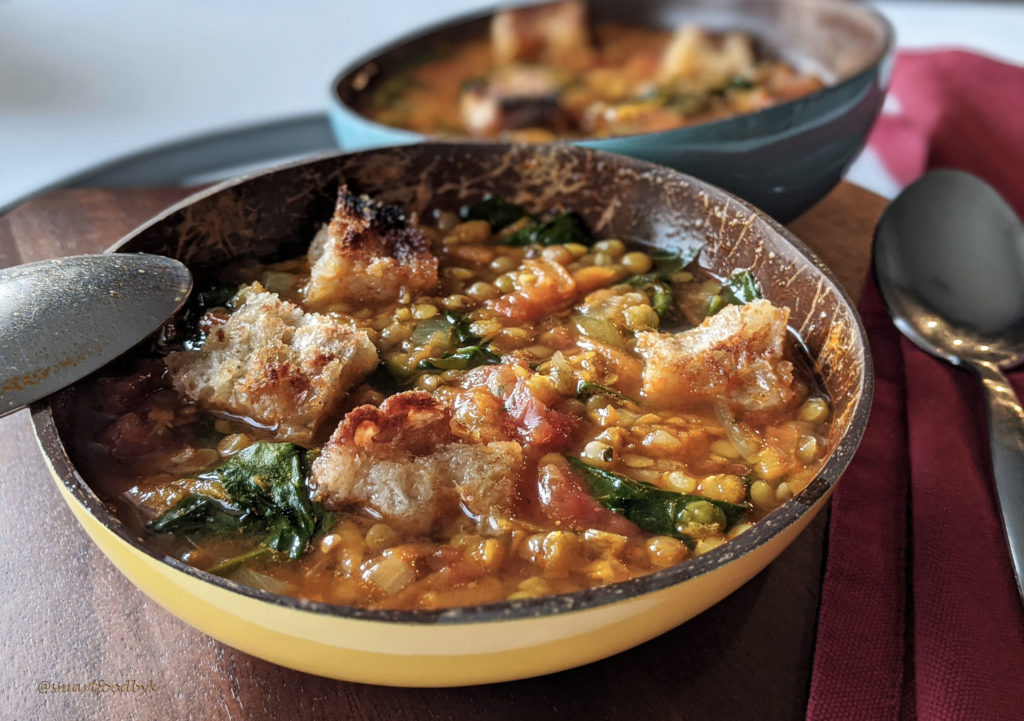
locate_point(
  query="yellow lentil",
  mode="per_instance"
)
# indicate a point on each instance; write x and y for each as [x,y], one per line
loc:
[771,464]
[459,273]
[503,264]
[665,551]
[557,254]
[637,262]
[724,448]
[424,311]
[598,453]
[762,495]
[578,250]
[634,460]
[662,442]
[231,444]
[428,381]
[641,317]
[472,231]
[380,536]
[482,291]
[724,487]
[708,543]
[505,283]
[679,482]
[612,247]
[813,410]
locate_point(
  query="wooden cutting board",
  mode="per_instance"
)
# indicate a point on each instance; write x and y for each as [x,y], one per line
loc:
[70,618]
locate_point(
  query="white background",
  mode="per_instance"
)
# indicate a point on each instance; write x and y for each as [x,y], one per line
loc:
[86,81]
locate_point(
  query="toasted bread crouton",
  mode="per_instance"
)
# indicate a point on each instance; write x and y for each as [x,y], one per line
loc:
[555,33]
[368,255]
[275,364]
[401,462]
[703,62]
[514,97]
[734,356]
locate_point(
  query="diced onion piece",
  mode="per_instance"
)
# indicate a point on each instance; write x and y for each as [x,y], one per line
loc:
[261,581]
[390,574]
[742,437]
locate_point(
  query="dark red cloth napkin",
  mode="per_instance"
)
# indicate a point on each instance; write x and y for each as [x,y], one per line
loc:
[920,616]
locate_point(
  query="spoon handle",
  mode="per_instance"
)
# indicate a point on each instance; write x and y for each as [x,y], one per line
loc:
[1006,436]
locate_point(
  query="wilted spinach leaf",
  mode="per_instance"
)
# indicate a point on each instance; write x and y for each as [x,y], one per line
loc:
[567,227]
[657,284]
[663,299]
[462,359]
[266,491]
[667,262]
[586,389]
[742,287]
[497,211]
[739,288]
[461,333]
[654,509]
[198,513]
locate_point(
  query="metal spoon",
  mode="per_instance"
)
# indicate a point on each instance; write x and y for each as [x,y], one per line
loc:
[949,259]
[61,319]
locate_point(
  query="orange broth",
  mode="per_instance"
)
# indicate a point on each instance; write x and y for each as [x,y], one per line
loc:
[621,88]
[564,380]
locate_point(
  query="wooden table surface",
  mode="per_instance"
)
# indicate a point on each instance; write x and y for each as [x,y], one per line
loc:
[69,617]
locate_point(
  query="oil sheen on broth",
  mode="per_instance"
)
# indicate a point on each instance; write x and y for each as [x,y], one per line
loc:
[470,407]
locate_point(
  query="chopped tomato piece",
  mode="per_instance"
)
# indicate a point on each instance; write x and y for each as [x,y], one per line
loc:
[546,287]
[541,428]
[496,403]
[564,499]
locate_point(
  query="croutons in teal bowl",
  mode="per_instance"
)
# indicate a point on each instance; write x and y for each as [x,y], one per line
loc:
[263,215]
[781,159]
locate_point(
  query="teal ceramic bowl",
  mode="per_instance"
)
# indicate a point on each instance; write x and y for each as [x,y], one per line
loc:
[782,159]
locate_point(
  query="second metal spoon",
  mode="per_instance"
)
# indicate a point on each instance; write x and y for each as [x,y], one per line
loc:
[949,260]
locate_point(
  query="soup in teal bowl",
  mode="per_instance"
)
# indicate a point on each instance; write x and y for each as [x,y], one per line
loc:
[775,97]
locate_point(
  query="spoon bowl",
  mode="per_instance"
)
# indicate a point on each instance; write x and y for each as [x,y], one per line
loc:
[61,319]
[949,260]
[951,254]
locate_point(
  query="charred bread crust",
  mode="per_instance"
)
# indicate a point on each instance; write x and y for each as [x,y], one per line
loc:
[402,463]
[369,254]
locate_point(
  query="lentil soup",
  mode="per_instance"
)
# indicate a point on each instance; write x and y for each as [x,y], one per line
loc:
[547,72]
[475,405]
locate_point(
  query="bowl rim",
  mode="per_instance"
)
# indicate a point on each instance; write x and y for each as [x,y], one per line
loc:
[71,481]
[777,117]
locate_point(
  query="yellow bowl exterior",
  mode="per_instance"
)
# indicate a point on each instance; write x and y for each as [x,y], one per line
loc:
[411,654]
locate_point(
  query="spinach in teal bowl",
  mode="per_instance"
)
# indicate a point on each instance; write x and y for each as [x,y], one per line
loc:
[782,157]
